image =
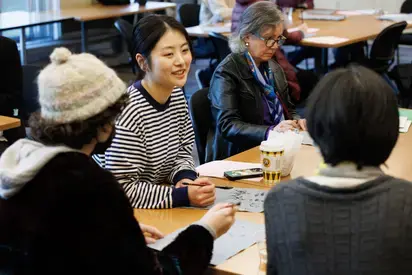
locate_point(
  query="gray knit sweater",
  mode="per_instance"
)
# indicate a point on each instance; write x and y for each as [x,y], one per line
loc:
[314,229]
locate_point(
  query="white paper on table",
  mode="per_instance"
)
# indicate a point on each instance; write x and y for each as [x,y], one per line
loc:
[405,129]
[307,139]
[349,13]
[368,11]
[357,12]
[239,237]
[218,28]
[331,40]
[396,17]
[309,30]
[402,121]
[217,168]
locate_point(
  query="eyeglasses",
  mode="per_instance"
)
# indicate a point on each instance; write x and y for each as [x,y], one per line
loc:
[270,42]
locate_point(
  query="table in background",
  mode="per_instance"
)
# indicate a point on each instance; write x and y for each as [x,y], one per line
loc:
[247,262]
[356,29]
[8,123]
[99,11]
[23,19]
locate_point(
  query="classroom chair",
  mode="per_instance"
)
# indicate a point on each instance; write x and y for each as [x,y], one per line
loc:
[12,89]
[406,38]
[201,119]
[30,91]
[402,75]
[221,44]
[126,31]
[188,15]
[383,49]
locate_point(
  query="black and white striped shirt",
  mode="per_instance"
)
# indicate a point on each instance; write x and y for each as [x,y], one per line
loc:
[152,146]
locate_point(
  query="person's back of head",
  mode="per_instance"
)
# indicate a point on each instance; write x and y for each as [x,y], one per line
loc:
[78,95]
[352,115]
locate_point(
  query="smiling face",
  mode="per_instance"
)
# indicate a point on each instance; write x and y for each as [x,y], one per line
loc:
[257,47]
[170,60]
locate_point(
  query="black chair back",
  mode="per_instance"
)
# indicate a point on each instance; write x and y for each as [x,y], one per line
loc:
[202,120]
[402,75]
[126,31]
[406,7]
[384,47]
[30,91]
[188,14]
[221,44]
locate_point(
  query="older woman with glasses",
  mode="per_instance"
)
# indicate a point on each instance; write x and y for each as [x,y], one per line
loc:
[249,93]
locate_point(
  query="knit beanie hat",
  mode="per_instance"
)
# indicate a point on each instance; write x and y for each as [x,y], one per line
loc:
[75,87]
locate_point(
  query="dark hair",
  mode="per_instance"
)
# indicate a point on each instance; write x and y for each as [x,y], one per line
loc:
[148,31]
[352,115]
[75,134]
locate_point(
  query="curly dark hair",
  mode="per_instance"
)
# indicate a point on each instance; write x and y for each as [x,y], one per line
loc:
[75,134]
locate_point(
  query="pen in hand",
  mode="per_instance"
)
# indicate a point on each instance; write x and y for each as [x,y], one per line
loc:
[201,185]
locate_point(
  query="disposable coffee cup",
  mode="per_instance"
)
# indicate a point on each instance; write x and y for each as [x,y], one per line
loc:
[271,158]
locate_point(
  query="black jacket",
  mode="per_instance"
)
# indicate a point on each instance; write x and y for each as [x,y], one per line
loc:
[74,218]
[236,104]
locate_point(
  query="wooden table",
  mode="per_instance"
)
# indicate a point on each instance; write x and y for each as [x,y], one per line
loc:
[247,262]
[8,123]
[355,28]
[99,11]
[23,19]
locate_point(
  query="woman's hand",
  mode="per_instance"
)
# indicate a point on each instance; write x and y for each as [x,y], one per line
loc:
[302,124]
[286,125]
[220,217]
[151,234]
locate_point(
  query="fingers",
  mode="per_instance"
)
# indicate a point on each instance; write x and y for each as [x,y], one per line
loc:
[149,240]
[208,201]
[153,231]
[219,206]
[207,189]
[207,197]
[203,181]
[302,124]
[292,123]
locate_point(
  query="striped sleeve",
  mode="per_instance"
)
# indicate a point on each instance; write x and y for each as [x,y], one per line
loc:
[126,160]
[184,166]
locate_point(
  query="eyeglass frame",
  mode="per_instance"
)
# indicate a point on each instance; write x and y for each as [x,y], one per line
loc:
[279,41]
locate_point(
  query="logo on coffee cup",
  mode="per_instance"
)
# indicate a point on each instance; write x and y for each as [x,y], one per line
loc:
[266,162]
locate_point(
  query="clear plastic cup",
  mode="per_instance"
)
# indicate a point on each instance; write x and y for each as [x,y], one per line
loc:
[260,237]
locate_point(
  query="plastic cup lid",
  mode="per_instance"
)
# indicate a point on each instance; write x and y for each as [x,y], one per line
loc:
[271,146]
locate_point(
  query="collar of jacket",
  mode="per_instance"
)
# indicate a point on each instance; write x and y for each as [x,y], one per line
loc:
[243,66]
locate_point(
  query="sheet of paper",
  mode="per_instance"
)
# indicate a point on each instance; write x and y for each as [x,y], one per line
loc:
[308,31]
[349,13]
[405,129]
[219,167]
[307,139]
[331,40]
[369,11]
[396,17]
[239,237]
[251,200]
[218,28]
[402,121]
